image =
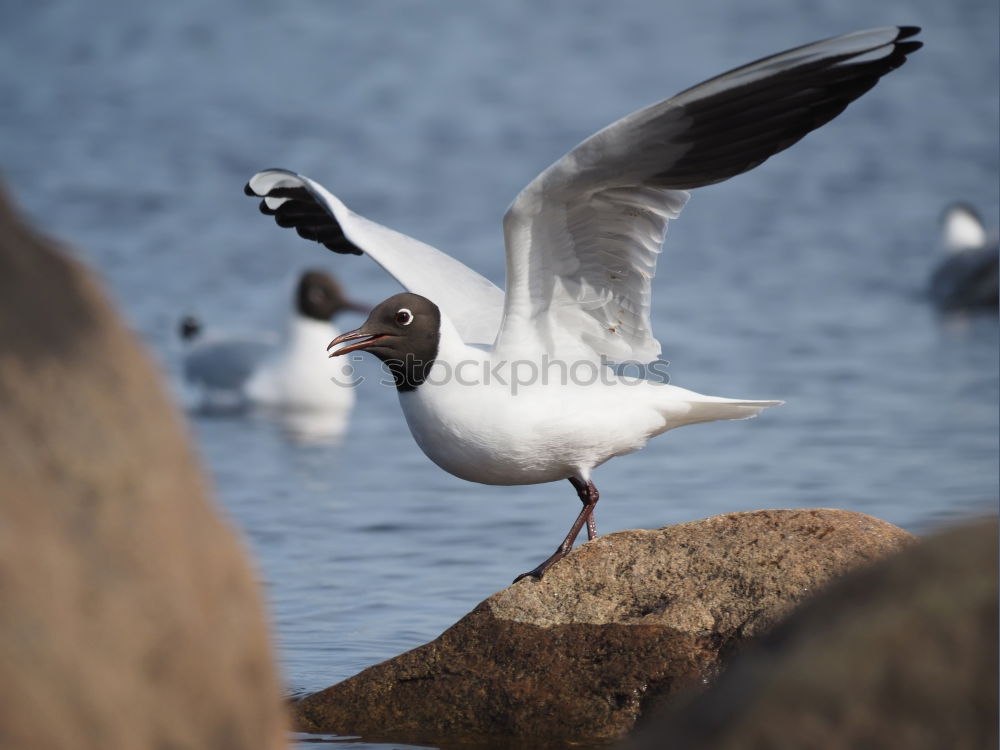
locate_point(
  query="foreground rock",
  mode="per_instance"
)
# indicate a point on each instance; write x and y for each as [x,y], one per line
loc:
[625,620]
[902,655]
[129,616]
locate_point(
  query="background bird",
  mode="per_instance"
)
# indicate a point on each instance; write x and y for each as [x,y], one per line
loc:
[287,373]
[966,279]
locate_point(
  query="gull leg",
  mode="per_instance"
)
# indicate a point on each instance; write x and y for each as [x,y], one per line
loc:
[589,496]
[583,492]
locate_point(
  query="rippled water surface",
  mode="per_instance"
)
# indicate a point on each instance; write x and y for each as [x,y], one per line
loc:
[130,130]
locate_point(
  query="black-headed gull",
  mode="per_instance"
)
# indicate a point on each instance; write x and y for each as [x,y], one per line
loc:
[290,373]
[582,240]
[967,278]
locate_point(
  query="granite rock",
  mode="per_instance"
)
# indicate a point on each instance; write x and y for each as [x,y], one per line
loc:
[129,614]
[625,620]
[902,655]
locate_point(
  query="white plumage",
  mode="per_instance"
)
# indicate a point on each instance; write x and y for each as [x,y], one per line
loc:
[582,241]
[288,371]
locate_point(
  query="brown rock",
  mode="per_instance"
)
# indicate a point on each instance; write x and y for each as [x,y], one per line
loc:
[628,618]
[902,655]
[129,616]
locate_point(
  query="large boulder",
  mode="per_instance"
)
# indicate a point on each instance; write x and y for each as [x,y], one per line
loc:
[902,655]
[625,620]
[129,615]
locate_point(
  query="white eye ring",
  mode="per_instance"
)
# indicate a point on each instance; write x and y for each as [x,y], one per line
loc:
[404,317]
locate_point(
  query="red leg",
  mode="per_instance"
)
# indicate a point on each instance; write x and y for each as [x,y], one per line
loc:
[589,497]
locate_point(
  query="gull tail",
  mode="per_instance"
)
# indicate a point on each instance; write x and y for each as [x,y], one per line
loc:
[684,407]
[710,411]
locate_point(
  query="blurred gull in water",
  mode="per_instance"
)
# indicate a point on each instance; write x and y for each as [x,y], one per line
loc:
[291,375]
[967,278]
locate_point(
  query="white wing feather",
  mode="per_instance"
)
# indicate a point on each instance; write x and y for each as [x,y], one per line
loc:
[579,272]
[471,302]
[582,238]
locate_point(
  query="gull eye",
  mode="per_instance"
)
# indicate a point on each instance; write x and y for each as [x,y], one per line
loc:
[404,317]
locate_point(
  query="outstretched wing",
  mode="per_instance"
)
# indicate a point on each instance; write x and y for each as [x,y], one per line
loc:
[472,303]
[583,237]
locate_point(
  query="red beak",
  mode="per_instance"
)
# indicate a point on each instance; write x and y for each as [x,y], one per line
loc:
[368,340]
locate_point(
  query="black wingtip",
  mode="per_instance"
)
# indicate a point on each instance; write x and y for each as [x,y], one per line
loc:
[343,248]
[905,32]
[295,193]
[298,209]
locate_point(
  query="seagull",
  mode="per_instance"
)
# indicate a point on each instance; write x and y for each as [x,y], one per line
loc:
[288,374]
[492,383]
[967,278]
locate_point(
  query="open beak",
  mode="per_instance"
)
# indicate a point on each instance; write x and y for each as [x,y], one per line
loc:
[364,339]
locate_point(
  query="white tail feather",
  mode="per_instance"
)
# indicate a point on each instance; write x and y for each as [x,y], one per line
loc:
[683,407]
[711,411]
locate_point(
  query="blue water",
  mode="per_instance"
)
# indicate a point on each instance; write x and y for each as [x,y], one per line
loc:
[130,128]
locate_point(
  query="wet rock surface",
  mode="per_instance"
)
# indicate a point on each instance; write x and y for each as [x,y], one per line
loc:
[903,654]
[626,620]
[129,614]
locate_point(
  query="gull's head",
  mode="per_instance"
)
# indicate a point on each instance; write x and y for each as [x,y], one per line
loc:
[319,296]
[189,328]
[403,331]
[962,229]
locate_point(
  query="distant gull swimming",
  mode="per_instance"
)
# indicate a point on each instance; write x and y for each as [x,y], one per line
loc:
[967,278]
[291,373]
[514,388]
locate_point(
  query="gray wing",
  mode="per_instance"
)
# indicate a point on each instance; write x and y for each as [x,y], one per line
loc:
[967,280]
[472,303]
[583,237]
[224,365]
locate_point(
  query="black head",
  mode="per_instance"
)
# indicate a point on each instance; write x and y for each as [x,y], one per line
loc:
[190,328]
[320,297]
[403,332]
